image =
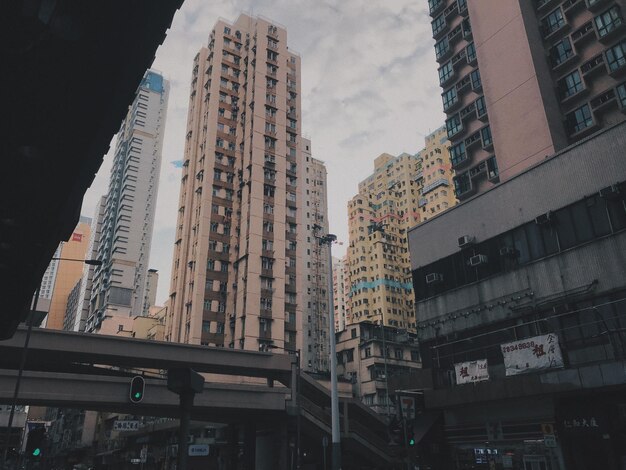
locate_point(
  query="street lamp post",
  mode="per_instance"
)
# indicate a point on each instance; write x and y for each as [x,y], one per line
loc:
[20,371]
[329,239]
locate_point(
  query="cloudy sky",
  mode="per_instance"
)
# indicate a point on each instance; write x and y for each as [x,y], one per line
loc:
[369,85]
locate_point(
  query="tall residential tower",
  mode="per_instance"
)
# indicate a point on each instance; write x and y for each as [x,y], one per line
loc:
[523,79]
[125,235]
[238,265]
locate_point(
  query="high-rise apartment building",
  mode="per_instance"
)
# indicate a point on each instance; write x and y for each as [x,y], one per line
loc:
[379,217]
[522,79]
[238,265]
[68,272]
[124,239]
[316,300]
[402,192]
[341,292]
[434,175]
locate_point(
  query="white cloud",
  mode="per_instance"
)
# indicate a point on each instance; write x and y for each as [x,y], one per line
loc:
[369,85]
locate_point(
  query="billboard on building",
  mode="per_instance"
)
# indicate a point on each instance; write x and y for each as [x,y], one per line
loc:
[473,371]
[532,354]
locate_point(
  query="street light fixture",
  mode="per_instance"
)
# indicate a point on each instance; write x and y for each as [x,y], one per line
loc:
[328,240]
[20,372]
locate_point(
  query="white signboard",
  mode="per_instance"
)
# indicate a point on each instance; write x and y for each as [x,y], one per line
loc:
[125,425]
[474,371]
[532,354]
[198,450]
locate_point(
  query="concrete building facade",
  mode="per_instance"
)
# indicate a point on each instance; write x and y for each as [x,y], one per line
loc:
[118,286]
[68,273]
[499,275]
[238,262]
[341,292]
[557,67]
[368,362]
[402,192]
[314,278]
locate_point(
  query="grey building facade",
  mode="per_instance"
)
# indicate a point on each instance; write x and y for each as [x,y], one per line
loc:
[539,257]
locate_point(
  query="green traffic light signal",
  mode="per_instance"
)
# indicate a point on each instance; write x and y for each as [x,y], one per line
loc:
[137,386]
[37,452]
[411,442]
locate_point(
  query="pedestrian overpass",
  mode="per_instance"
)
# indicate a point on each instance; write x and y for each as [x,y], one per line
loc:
[92,372]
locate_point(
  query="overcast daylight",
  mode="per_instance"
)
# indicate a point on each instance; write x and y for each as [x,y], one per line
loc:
[369,85]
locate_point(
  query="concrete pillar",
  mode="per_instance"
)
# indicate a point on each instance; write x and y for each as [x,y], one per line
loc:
[249,446]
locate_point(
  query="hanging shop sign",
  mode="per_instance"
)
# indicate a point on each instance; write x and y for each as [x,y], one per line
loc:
[532,354]
[473,371]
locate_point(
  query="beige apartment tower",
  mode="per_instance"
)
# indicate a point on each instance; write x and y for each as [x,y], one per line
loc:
[238,250]
[402,192]
[523,79]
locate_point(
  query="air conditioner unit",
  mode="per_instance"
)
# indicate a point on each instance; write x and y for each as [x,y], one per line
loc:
[508,252]
[610,192]
[434,278]
[465,240]
[544,218]
[478,260]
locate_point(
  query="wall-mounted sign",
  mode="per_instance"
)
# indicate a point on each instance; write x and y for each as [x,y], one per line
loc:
[473,371]
[198,450]
[123,425]
[532,354]
[77,237]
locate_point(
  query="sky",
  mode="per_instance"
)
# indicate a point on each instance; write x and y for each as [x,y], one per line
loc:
[369,86]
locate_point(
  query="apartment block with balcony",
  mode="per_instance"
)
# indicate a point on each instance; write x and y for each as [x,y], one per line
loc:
[316,299]
[238,243]
[379,218]
[341,292]
[523,79]
[363,358]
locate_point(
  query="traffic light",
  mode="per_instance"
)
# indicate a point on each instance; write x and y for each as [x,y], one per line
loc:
[137,386]
[410,435]
[34,444]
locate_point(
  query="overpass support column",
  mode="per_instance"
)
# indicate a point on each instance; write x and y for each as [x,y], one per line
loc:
[249,446]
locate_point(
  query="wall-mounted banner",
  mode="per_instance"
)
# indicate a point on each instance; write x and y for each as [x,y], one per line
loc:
[532,354]
[474,371]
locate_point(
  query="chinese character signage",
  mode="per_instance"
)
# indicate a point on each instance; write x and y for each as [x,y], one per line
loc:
[474,371]
[532,354]
[77,237]
[125,425]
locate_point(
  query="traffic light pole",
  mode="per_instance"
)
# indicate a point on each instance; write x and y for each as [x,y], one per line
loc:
[186,402]
[406,443]
[20,372]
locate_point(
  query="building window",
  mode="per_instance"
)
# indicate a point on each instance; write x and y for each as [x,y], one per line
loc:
[481,107]
[445,72]
[621,95]
[485,134]
[608,21]
[454,125]
[616,56]
[457,153]
[438,24]
[441,48]
[415,355]
[561,51]
[368,352]
[398,353]
[475,78]
[579,119]
[449,98]
[553,22]
[462,184]
[206,326]
[470,52]
[571,84]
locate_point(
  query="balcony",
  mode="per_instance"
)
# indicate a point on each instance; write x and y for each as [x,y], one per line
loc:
[583,33]
[603,100]
[544,5]
[435,6]
[451,10]
[569,6]
[595,5]
[434,185]
[593,66]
